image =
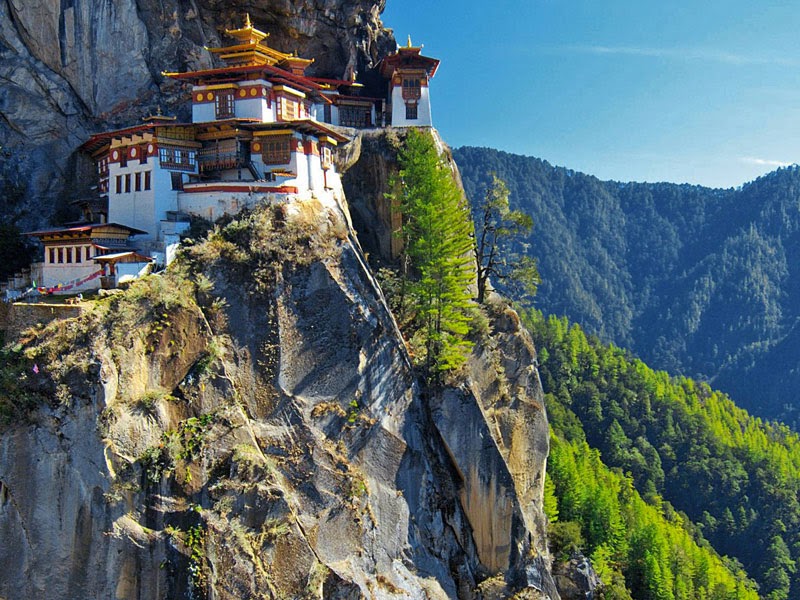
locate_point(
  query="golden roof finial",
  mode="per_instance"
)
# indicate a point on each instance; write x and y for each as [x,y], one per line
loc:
[247,22]
[409,41]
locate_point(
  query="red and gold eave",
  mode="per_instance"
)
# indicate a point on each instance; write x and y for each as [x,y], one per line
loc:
[408,58]
[250,58]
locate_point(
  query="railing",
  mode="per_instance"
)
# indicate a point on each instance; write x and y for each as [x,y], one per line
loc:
[211,159]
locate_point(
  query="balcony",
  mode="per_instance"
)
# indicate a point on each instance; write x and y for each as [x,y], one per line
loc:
[212,159]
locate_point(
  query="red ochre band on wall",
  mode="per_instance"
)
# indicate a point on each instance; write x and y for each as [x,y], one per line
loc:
[288,189]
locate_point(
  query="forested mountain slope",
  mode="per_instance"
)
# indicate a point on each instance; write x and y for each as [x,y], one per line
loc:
[698,281]
[684,448]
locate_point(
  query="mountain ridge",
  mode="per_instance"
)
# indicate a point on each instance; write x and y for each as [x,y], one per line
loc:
[698,281]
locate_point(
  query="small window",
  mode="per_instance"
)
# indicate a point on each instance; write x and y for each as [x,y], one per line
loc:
[327,113]
[223,103]
[119,184]
[137,182]
[127,183]
[289,110]
[411,112]
[88,253]
[177,181]
[78,254]
[277,151]
[52,254]
[147,180]
[411,88]
[60,255]
[355,116]
[327,158]
[69,255]
[123,157]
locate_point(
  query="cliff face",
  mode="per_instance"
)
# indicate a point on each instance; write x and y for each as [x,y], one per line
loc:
[79,66]
[248,426]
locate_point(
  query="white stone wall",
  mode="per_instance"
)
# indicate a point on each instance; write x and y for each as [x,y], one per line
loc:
[203,112]
[145,208]
[52,275]
[214,204]
[300,166]
[316,177]
[423,109]
[254,108]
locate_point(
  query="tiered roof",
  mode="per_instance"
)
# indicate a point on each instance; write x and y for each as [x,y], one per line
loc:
[408,57]
[251,56]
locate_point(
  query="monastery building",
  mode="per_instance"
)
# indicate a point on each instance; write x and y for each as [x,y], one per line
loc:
[261,131]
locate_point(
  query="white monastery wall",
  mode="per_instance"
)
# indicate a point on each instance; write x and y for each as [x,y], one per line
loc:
[52,275]
[215,203]
[203,112]
[423,109]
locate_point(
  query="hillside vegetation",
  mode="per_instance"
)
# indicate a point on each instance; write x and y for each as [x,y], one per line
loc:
[697,281]
[682,447]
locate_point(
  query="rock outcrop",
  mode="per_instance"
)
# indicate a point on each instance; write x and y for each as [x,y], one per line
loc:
[79,66]
[577,579]
[249,425]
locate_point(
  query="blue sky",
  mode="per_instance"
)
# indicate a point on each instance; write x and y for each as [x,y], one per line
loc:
[703,92]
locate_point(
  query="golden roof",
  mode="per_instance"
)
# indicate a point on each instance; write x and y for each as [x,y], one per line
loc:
[249,49]
[248,33]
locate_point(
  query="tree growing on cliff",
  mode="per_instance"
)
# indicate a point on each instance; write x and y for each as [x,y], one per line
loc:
[497,228]
[437,232]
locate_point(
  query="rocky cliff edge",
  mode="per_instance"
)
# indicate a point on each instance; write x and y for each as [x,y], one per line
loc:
[247,425]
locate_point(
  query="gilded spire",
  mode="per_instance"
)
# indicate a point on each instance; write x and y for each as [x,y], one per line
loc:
[247,34]
[409,41]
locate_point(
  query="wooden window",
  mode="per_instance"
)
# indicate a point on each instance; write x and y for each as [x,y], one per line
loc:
[411,111]
[289,112]
[277,150]
[177,158]
[147,182]
[78,254]
[411,88]
[355,116]
[127,183]
[119,184]
[326,113]
[137,182]
[326,157]
[224,104]
[60,255]
[220,155]
[69,255]
[177,181]
[52,254]
[88,253]
[123,157]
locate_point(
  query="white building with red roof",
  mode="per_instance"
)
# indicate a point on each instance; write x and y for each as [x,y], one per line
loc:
[261,131]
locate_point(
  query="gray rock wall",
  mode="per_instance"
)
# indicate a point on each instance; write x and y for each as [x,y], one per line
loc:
[262,435]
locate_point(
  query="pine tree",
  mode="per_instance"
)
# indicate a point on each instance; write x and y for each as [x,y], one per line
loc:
[437,239]
[497,227]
